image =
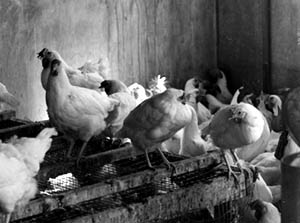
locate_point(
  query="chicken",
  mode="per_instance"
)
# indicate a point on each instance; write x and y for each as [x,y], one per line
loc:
[76,77]
[214,104]
[157,85]
[100,68]
[78,112]
[192,143]
[19,163]
[7,99]
[117,90]
[235,126]
[249,152]
[114,86]
[155,120]
[139,92]
[262,107]
[203,114]
[290,114]
[218,78]
[265,212]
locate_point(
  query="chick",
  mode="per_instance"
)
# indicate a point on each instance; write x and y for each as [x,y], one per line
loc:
[235,126]
[155,120]
[76,77]
[7,98]
[117,90]
[19,163]
[265,212]
[77,112]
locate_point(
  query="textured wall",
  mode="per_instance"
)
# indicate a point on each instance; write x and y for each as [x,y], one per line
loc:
[140,38]
[240,41]
[285,43]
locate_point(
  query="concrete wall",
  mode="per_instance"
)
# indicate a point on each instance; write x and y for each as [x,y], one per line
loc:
[140,39]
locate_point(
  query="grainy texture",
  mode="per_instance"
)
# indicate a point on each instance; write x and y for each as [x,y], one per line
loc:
[285,43]
[240,44]
[139,38]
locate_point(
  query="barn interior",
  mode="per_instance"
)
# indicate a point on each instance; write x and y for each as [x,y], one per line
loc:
[254,44]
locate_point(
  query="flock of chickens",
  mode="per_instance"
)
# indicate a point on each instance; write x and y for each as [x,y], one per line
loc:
[82,103]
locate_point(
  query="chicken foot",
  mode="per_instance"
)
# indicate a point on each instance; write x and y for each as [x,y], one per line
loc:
[165,160]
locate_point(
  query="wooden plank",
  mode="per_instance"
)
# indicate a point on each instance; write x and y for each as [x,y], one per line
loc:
[113,186]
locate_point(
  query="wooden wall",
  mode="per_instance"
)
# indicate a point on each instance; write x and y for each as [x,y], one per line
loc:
[241,42]
[139,38]
[285,43]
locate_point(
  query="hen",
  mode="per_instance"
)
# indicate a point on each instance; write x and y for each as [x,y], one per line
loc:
[155,120]
[76,77]
[7,98]
[117,90]
[78,112]
[19,163]
[265,212]
[235,126]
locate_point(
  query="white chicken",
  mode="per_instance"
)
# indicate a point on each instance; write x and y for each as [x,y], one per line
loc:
[76,77]
[265,212]
[117,90]
[139,92]
[218,78]
[158,84]
[7,99]
[79,113]
[19,163]
[203,114]
[235,126]
[156,120]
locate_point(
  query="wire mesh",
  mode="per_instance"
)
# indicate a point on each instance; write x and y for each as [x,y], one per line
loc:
[227,212]
[88,175]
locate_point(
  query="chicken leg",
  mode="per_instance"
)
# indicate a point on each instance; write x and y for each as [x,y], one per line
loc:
[72,144]
[7,218]
[81,151]
[230,171]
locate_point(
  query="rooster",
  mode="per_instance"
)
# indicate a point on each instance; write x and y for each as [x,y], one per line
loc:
[7,98]
[78,112]
[76,77]
[117,90]
[235,126]
[155,120]
[20,160]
